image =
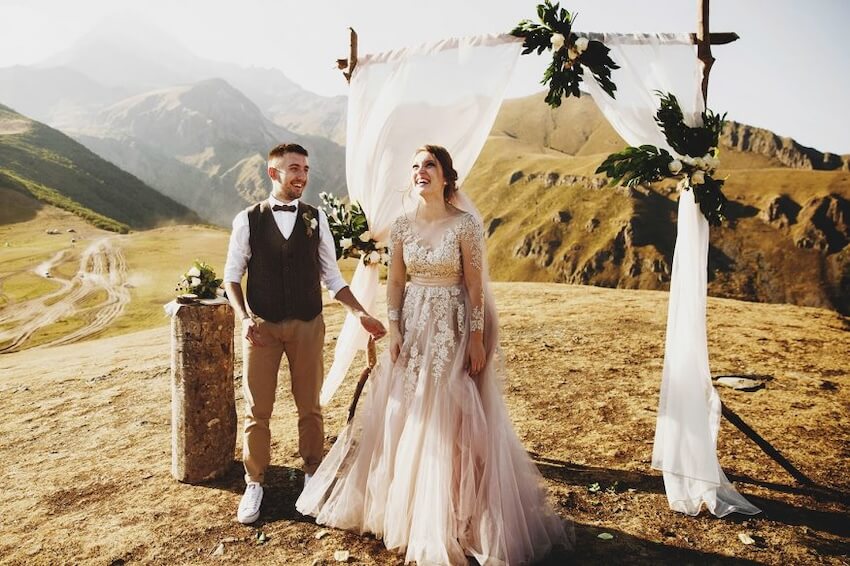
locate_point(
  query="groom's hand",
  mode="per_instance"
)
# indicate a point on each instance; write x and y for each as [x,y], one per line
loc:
[251,332]
[373,326]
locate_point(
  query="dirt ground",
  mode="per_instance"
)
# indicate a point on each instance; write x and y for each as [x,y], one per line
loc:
[102,274]
[85,442]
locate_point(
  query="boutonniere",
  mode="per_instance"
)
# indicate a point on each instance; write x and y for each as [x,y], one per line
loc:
[311,223]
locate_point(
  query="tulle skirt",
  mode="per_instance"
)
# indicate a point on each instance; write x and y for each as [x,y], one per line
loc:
[431,463]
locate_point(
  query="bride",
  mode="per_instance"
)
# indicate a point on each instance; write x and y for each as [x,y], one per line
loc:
[431,463]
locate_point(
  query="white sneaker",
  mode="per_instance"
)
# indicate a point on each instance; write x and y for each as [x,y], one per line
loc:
[249,506]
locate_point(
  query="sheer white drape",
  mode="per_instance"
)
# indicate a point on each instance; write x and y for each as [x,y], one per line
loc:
[685,446]
[446,93]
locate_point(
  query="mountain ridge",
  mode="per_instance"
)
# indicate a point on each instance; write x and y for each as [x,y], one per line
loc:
[549,217]
[55,169]
[205,146]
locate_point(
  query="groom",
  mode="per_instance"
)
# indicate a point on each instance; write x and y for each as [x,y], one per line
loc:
[287,249]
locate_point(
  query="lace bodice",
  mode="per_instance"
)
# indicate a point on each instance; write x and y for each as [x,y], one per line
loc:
[443,261]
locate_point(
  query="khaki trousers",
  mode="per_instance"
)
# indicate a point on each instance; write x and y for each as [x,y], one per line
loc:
[303,342]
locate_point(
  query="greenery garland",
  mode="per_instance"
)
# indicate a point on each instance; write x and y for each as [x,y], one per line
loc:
[698,148]
[350,231]
[570,53]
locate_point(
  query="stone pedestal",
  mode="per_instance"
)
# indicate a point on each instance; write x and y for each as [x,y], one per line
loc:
[203,409]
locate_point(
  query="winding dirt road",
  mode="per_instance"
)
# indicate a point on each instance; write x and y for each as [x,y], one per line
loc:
[102,268]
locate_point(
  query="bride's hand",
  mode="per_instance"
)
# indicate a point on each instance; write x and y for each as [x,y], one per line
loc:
[475,355]
[395,342]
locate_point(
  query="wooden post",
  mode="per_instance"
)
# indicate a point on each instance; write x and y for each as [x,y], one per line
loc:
[704,39]
[203,409]
[704,46]
[347,65]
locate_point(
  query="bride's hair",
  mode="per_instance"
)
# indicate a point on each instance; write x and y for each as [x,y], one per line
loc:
[445,159]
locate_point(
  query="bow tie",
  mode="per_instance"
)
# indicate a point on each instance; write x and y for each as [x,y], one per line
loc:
[284,207]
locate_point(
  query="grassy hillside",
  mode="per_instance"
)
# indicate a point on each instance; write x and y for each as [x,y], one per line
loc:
[48,165]
[550,218]
[144,270]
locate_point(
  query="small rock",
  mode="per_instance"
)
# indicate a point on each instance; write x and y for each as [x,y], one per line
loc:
[322,533]
[746,538]
[219,550]
[341,555]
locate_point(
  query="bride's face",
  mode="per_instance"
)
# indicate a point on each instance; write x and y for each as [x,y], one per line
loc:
[427,174]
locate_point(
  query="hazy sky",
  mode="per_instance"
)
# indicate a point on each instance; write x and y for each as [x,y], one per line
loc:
[789,72]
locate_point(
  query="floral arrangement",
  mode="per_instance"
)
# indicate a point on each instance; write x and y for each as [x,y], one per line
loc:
[570,54]
[351,233]
[310,221]
[199,280]
[695,168]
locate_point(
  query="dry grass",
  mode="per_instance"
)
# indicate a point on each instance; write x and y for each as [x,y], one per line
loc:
[86,439]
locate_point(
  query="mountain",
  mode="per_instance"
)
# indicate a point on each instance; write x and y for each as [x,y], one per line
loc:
[205,146]
[287,104]
[784,150]
[45,163]
[549,217]
[58,96]
[124,56]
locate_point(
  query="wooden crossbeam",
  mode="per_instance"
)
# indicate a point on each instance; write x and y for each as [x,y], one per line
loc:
[721,38]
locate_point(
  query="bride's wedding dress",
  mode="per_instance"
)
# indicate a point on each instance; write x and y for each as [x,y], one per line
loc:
[431,463]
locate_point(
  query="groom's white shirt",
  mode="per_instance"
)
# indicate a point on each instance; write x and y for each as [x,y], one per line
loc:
[239,249]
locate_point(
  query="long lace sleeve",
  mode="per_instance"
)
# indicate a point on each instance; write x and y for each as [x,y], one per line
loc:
[397,275]
[472,256]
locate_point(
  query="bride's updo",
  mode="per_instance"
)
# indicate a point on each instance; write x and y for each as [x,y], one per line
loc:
[445,159]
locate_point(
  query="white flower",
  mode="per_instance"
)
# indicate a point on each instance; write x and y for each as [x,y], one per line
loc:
[688,159]
[345,243]
[194,282]
[385,258]
[194,272]
[581,44]
[699,163]
[313,223]
[697,178]
[674,166]
[572,53]
[557,41]
[373,257]
[366,236]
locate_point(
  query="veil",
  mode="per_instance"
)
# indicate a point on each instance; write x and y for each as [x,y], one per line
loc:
[492,367]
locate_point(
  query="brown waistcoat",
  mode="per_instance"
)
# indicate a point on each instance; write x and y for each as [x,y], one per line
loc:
[283,275]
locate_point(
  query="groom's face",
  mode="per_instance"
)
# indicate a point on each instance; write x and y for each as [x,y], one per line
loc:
[290,173]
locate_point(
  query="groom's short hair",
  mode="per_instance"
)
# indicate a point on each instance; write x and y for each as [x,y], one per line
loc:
[281,149]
